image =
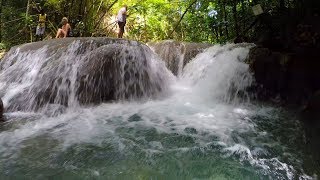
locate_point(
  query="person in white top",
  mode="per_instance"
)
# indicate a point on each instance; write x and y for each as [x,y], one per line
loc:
[122,19]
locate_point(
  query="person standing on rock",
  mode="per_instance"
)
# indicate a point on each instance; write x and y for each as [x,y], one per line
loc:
[122,19]
[41,25]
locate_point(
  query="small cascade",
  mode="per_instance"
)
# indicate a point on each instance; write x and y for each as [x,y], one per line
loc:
[220,73]
[89,70]
[172,53]
[123,73]
[177,54]
[181,60]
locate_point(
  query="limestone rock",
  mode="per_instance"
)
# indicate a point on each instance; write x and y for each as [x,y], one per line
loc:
[73,71]
[312,108]
[292,76]
[177,54]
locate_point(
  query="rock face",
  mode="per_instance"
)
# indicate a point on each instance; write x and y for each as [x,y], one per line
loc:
[295,79]
[177,54]
[311,119]
[120,72]
[1,111]
[75,71]
[293,76]
[312,109]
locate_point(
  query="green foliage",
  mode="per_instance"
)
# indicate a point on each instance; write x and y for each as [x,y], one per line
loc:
[149,20]
[2,46]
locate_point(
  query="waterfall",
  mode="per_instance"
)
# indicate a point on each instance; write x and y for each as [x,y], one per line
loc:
[110,109]
[83,71]
[177,54]
[172,53]
[181,60]
[220,73]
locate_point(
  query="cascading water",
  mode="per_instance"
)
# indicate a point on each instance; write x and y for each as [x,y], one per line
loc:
[172,53]
[83,71]
[225,66]
[205,128]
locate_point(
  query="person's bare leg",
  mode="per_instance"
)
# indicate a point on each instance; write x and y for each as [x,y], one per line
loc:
[121,30]
[61,34]
[120,33]
[58,33]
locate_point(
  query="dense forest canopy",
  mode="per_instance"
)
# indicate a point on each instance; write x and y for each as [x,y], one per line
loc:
[213,21]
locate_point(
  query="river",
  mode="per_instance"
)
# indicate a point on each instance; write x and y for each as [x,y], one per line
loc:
[207,126]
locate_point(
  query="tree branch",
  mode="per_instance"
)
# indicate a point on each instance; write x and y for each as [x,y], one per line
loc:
[175,27]
[100,19]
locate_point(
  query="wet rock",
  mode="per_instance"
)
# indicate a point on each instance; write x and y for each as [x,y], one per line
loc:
[192,50]
[177,54]
[291,76]
[190,130]
[171,52]
[117,72]
[134,118]
[267,69]
[80,70]
[1,111]
[312,109]
[311,120]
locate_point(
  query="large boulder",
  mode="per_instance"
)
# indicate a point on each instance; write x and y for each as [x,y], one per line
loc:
[291,75]
[73,71]
[120,72]
[177,54]
[267,69]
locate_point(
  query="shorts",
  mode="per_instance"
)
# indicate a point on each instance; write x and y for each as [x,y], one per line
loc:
[40,30]
[121,25]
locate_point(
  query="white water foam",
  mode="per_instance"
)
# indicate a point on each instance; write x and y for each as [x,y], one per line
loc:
[207,98]
[220,73]
[65,74]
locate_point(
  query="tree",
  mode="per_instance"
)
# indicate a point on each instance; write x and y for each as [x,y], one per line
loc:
[213,21]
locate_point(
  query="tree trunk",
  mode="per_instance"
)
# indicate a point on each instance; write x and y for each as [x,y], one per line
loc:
[80,8]
[26,21]
[243,15]
[225,19]
[2,5]
[31,36]
[282,5]
[235,17]
[27,11]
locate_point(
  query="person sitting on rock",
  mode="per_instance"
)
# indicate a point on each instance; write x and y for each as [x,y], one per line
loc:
[65,30]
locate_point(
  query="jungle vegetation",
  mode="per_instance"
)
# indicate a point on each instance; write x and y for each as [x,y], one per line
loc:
[212,21]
